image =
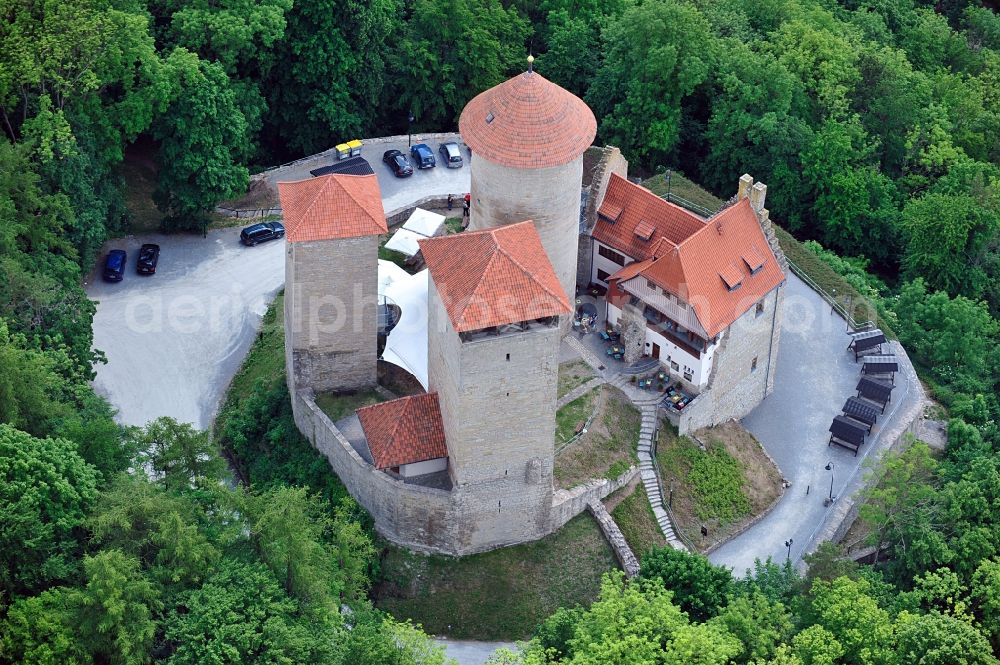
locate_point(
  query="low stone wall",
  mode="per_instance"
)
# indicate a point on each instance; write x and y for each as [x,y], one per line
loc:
[399,216]
[420,518]
[567,504]
[624,554]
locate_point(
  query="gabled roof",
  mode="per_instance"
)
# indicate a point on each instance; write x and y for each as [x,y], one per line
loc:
[708,269]
[332,207]
[494,277]
[404,431]
[527,122]
[640,218]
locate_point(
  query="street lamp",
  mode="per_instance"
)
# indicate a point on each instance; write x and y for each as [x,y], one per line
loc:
[830,467]
[788,544]
[409,121]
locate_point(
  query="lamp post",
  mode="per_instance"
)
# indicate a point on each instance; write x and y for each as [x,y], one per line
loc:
[788,544]
[409,121]
[830,467]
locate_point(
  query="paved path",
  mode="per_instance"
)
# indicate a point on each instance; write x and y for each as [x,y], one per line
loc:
[396,192]
[469,652]
[175,339]
[580,391]
[815,376]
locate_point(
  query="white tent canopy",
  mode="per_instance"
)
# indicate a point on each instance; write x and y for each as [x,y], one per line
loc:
[406,345]
[421,224]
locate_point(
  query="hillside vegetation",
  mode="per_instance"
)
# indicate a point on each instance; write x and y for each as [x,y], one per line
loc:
[874,123]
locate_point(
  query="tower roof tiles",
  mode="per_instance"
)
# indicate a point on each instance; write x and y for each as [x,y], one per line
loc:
[494,277]
[332,207]
[528,122]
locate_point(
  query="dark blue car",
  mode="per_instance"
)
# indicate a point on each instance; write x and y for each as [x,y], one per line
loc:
[422,156]
[114,265]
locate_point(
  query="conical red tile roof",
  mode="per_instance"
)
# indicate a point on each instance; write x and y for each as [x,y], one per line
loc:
[527,122]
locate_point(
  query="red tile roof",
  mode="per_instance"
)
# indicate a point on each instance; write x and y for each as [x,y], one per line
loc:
[404,431]
[636,210]
[527,122]
[699,268]
[494,277]
[332,206]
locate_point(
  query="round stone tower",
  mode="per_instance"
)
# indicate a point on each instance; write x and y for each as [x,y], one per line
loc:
[528,136]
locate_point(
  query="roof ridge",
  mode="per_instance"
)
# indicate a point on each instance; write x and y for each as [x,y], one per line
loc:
[319,190]
[350,192]
[525,270]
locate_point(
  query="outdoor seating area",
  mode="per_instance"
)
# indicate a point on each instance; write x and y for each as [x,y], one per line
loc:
[675,398]
[876,391]
[585,318]
[882,365]
[860,413]
[866,342]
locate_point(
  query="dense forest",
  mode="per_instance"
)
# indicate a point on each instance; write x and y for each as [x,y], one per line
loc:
[875,124]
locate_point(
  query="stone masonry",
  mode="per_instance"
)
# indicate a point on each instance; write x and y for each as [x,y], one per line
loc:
[550,197]
[330,313]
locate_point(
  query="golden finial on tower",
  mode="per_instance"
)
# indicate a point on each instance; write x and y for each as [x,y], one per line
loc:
[531,62]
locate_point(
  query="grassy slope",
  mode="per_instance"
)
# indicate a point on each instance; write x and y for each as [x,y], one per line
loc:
[573,374]
[607,448]
[498,595]
[634,516]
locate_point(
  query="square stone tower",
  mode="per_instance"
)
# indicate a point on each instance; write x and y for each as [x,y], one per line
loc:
[493,356]
[332,225]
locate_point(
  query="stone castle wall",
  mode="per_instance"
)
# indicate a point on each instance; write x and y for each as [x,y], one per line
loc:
[330,313]
[612,161]
[734,389]
[550,197]
[423,519]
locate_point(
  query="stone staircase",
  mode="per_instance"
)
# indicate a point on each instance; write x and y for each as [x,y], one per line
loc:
[647,473]
[644,366]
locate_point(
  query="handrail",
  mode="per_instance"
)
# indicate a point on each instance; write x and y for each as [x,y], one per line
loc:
[670,197]
[832,301]
[664,500]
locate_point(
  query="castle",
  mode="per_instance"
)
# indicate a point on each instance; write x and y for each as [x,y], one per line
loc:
[467,466]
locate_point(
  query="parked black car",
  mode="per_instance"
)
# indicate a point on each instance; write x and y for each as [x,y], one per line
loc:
[262,232]
[114,265]
[451,155]
[422,156]
[398,163]
[149,256]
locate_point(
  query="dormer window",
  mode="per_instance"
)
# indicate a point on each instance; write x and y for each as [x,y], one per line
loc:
[644,230]
[489,118]
[754,260]
[732,276]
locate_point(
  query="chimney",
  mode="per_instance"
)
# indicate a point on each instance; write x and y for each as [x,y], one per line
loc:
[757,195]
[746,182]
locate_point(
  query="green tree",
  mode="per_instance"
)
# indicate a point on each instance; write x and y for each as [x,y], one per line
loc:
[760,625]
[903,507]
[700,588]
[179,456]
[203,137]
[948,239]
[116,609]
[41,630]
[165,532]
[318,560]
[863,629]
[985,594]
[939,639]
[451,51]
[242,615]
[331,84]
[46,490]
[655,55]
